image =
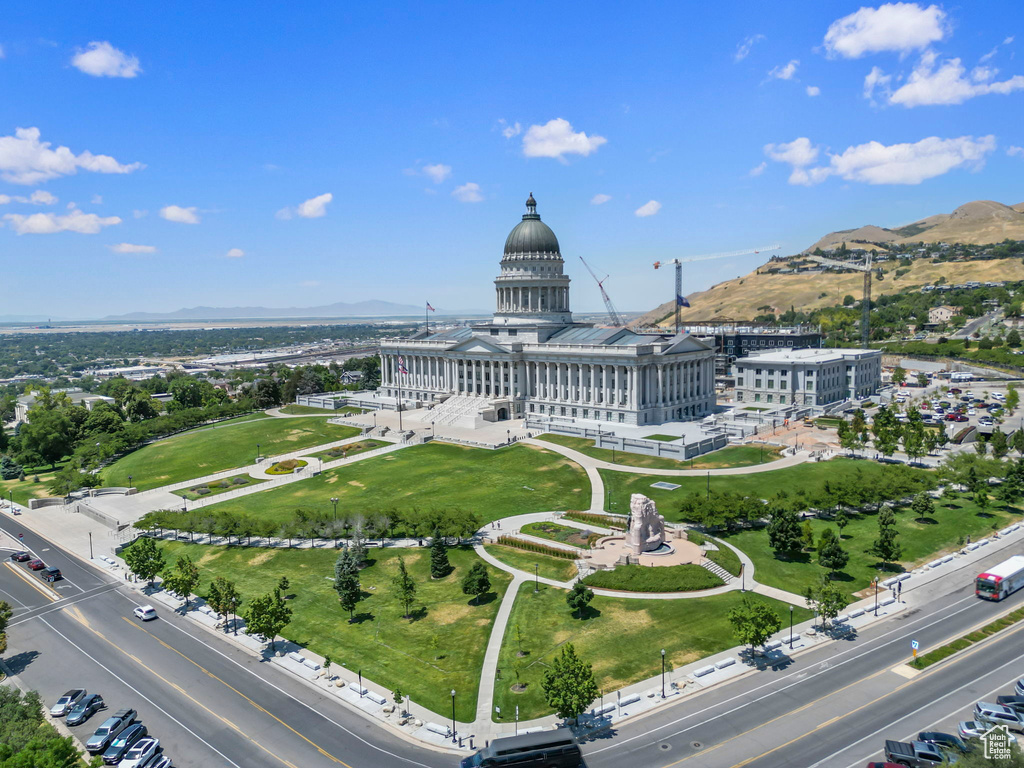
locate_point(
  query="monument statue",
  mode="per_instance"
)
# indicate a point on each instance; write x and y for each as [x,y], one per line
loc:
[646,527]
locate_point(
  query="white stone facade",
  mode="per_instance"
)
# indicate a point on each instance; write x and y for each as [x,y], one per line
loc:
[807,376]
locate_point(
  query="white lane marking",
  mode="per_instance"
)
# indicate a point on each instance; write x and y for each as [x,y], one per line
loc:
[911,714]
[290,696]
[64,602]
[823,667]
[138,692]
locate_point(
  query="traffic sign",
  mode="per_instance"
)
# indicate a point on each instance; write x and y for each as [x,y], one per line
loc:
[914,644]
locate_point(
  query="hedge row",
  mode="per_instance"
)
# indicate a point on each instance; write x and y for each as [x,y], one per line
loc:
[940,653]
[532,546]
[590,518]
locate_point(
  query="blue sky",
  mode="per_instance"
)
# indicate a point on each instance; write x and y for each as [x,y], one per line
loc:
[154,156]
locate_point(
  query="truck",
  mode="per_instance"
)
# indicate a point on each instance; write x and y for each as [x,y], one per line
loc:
[915,754]
[1001,580]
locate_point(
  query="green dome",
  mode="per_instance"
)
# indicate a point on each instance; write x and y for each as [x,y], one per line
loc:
[531,235]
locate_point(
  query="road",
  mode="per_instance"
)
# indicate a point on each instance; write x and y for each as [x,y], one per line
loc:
[209,702]
[216,705]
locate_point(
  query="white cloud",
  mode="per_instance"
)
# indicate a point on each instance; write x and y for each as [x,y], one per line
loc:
[315,207]
[438,172]
[757,170]
[649,208]
[743,49]
[101,59]
[180,215]
[995,50]
[600,199]
[813,90]
[1013,151]
[49,223]
[234,253]
[39,197]
[26,160]
[97,200]
[876,78]
[132,248]
[468,193]
[948,84]
[784,71]
[876,163]
[140,214]
[556,139]
[510,131]
[898,27]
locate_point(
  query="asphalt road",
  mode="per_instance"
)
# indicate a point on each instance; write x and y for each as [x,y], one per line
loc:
[214,705]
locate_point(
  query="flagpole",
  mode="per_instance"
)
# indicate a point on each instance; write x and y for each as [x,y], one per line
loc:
[400,365]
[426,321]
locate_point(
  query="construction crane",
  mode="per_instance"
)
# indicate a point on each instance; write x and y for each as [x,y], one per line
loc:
[680,300]
[865,304]
[616,320]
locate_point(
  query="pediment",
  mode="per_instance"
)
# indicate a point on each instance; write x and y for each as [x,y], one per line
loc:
[478,344]
[686,343]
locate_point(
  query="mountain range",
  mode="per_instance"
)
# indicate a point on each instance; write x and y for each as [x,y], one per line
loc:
[369,308]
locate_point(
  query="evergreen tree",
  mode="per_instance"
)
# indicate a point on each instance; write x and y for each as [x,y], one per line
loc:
[842,519]
[569,686]
[1000,444]
[346,582]
[753,622]
[476,582]
[784,532]
[579,597]
[807,536]
[831,555]
[886,548]
[144,558]
[405,587]
[440,566]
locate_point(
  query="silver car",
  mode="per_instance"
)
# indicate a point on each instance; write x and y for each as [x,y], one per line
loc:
[997,714]
[66,702]
[973,730]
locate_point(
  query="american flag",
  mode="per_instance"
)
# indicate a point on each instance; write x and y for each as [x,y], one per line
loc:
[430,307]
[401,365]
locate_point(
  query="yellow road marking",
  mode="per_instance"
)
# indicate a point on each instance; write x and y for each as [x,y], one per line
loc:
[49,594]
[963,655]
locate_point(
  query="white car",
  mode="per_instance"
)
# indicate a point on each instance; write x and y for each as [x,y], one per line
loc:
[972,412]
[140,753]
[145,612]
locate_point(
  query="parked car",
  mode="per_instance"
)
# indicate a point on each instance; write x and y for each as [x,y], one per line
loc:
[36,565]
[1013,702]
[1019,688]
[955,391]
[50,573]
[20,557]
[141,753]
[161,761]
[972,412]
[973,730]
[67,701]
[947,740]
[112,726]
[85,709]
[985,421]
[997,714]
[124,741]
[915,754]
[145,612]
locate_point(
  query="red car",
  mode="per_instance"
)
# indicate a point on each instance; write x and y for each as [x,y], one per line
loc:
[21,557]
[36,565]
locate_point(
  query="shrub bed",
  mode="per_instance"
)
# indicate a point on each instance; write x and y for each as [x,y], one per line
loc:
[641,578]
[532,546]
[286,467]
[561,533]
[590,518]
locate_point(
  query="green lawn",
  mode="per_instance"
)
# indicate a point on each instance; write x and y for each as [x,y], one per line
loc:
[663,438]
[565,534]
[344,451]
[549,567]
[510,481]
[621,637]
[730,456]
[809,476]
[688,577]
[921,542]
[217,448]
[27,489]
[308,410]
[221,486]
[388,649]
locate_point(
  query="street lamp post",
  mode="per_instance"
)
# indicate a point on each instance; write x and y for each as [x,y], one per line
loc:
[536,578]
[257,453]
[431,429]
[709,483]
[791,627]
[129,482]
[876,597]
[508,436]
[663,673]
[453,716]
[334,501]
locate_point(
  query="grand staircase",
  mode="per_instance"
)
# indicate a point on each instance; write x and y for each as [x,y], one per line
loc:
[455,408]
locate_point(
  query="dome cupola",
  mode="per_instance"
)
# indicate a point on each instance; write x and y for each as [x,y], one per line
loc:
[531,237]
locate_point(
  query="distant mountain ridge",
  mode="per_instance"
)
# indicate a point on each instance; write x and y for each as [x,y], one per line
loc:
[341,309]
[979,222]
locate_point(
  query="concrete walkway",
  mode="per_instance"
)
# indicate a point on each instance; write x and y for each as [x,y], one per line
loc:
[488,672]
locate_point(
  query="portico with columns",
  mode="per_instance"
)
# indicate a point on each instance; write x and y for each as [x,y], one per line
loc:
[533,359]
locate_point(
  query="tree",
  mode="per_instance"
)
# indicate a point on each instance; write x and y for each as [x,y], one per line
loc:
[579,597]
[1012,396]
[187,393]
[922,379]
[913,440]
[848,300]
[842,519]
[922,505]
[405,587]
[807,536]
[753,622]
[980,446]
[184,579]
[899,375]
[48,435]
[266,616]
[223,597]
[784,532]
[440,566]
[827,599]
[346,582]
[849,437]
[476,582]
[144,558]
[569,686]
[831,555]
[1000,444]
[5,617]
[265,393]
[283,585]
[399,696]
[885,547]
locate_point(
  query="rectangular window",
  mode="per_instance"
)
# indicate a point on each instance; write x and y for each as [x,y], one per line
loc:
[757,383]
[622,417]
[574,413]
[771,384]
[563,410]
[757,398]
[586,413]
[769,398]
[782,399]
[531,407]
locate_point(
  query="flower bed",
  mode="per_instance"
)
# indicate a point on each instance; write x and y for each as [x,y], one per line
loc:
[286,467]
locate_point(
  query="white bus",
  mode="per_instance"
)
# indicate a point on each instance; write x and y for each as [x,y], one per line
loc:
[1001,580]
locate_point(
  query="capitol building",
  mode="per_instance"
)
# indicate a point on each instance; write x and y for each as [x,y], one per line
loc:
[532,360]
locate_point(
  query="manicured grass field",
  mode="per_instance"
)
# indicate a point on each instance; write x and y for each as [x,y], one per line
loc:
[221,486]
[688,577]
[921,542]
[308,410]
[621,637]
[27,489]
[663,438]
[495,484]
[550,567]
[810,476]
[388,649]
[344,451]
[224,446]
[730,456]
